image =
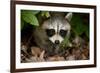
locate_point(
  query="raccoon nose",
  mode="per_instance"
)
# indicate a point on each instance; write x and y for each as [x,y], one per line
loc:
[57,42]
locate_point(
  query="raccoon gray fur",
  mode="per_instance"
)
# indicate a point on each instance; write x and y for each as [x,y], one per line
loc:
[52,32]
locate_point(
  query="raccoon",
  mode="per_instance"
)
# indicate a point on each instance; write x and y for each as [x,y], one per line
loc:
[52,32]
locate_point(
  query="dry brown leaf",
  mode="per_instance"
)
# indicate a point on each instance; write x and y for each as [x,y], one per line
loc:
[35,51]
[41,57]
[56,58]
[23,47]
[84,57]
[70,57]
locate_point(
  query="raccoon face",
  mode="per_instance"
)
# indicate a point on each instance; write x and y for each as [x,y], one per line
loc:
[56,37]
[57,28]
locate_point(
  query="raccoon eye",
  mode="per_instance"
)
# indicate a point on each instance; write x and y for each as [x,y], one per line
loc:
[63,33]
[50,32]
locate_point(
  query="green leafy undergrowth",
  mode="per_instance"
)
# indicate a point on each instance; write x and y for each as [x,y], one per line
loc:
[79,26]
[30,17]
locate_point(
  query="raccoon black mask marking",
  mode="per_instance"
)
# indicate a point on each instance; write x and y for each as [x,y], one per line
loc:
[52,32]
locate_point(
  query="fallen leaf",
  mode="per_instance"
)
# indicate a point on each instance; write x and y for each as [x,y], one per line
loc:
[35,51]
[56,58]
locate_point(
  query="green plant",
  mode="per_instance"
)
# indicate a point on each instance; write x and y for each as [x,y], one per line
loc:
[80,25]
[30,16]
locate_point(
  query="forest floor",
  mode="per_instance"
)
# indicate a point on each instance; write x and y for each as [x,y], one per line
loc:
[79,52]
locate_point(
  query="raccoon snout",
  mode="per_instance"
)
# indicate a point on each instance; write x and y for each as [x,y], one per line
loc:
[57,42]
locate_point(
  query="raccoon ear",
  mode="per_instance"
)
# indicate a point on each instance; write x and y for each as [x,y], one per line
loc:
[69,16]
